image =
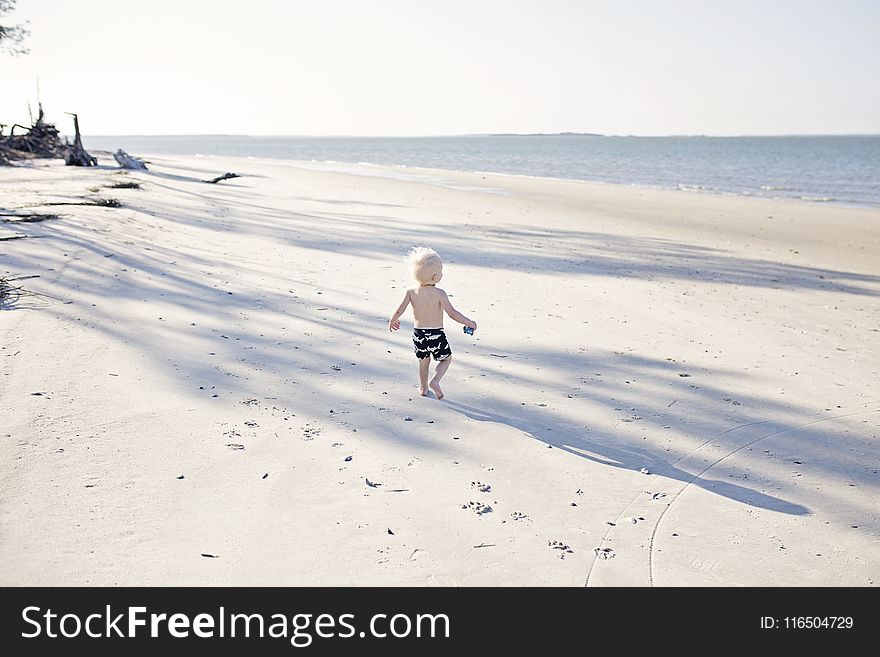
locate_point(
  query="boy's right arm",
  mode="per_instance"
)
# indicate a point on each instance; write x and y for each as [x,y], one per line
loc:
[394,322]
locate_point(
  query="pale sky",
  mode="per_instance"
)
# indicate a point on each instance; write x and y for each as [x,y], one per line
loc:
[419,67]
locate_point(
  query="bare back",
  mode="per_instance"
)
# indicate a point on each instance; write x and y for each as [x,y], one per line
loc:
[427,306]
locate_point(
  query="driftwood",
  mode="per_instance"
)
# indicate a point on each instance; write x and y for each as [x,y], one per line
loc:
[39,140]
[6,292]
[25,218]
[225,176]
[10,294]
[76,154]
[126,161]
[98,202]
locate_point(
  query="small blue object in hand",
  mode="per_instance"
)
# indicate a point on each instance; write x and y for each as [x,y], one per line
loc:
[468,330]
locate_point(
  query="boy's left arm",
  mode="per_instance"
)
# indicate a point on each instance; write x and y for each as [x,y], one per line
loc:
[394,322]
[446,304]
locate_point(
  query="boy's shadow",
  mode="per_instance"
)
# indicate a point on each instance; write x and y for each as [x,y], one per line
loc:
[631,460]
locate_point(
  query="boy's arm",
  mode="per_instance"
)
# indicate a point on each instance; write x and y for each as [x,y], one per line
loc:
[446,304]
[394,322]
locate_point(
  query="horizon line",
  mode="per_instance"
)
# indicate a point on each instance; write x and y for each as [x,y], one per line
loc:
[486,134]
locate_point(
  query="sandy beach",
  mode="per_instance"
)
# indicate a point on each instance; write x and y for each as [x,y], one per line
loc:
[666,388]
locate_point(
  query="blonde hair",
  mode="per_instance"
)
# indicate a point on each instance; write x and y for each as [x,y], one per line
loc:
[424,263]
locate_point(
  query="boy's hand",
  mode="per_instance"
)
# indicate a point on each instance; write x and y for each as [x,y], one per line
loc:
[472,325]
[393,324]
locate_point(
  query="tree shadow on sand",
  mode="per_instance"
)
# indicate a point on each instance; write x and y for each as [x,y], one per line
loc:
[515,247]
[131,269]
[617,457]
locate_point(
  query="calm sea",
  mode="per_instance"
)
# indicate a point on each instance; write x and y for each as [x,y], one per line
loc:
[823,169]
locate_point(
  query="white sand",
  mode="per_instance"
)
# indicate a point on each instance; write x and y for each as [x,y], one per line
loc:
[254,312]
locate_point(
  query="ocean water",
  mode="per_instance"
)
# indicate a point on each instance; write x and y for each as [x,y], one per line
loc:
[822,169]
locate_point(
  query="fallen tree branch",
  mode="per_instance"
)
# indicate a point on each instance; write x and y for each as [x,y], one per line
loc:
[5,292]
[21,278]
[225,176]
[101,203]
[29,218]
[10,294]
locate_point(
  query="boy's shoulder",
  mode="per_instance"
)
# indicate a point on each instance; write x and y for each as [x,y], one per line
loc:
[430,289]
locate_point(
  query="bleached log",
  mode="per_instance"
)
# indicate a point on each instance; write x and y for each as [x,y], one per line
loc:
[126,161]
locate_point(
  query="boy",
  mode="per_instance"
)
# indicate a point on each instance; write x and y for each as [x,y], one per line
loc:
[428,302]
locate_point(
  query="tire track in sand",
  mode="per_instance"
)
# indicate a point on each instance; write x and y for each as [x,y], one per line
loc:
[701,459]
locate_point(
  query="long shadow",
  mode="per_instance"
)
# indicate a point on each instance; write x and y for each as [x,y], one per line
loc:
[631,460]
[189,292]
[524,248]
[513,247]
[127,267]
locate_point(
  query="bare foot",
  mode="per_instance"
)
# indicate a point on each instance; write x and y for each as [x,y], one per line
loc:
[423,392]
[436,388]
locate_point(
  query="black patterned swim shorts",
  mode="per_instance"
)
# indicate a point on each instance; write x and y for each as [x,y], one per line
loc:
[431,342]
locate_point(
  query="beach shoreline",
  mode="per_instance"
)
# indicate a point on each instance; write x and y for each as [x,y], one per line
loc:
[838,169]
[665,388]
[436,175]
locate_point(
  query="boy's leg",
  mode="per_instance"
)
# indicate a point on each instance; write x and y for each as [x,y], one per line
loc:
[424,363]
[442,366]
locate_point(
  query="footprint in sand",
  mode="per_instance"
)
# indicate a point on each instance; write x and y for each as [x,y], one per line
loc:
[559,545]
[477,507]
[516,515]
[310,432]
[604,553]
[480,486]
[235,446]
